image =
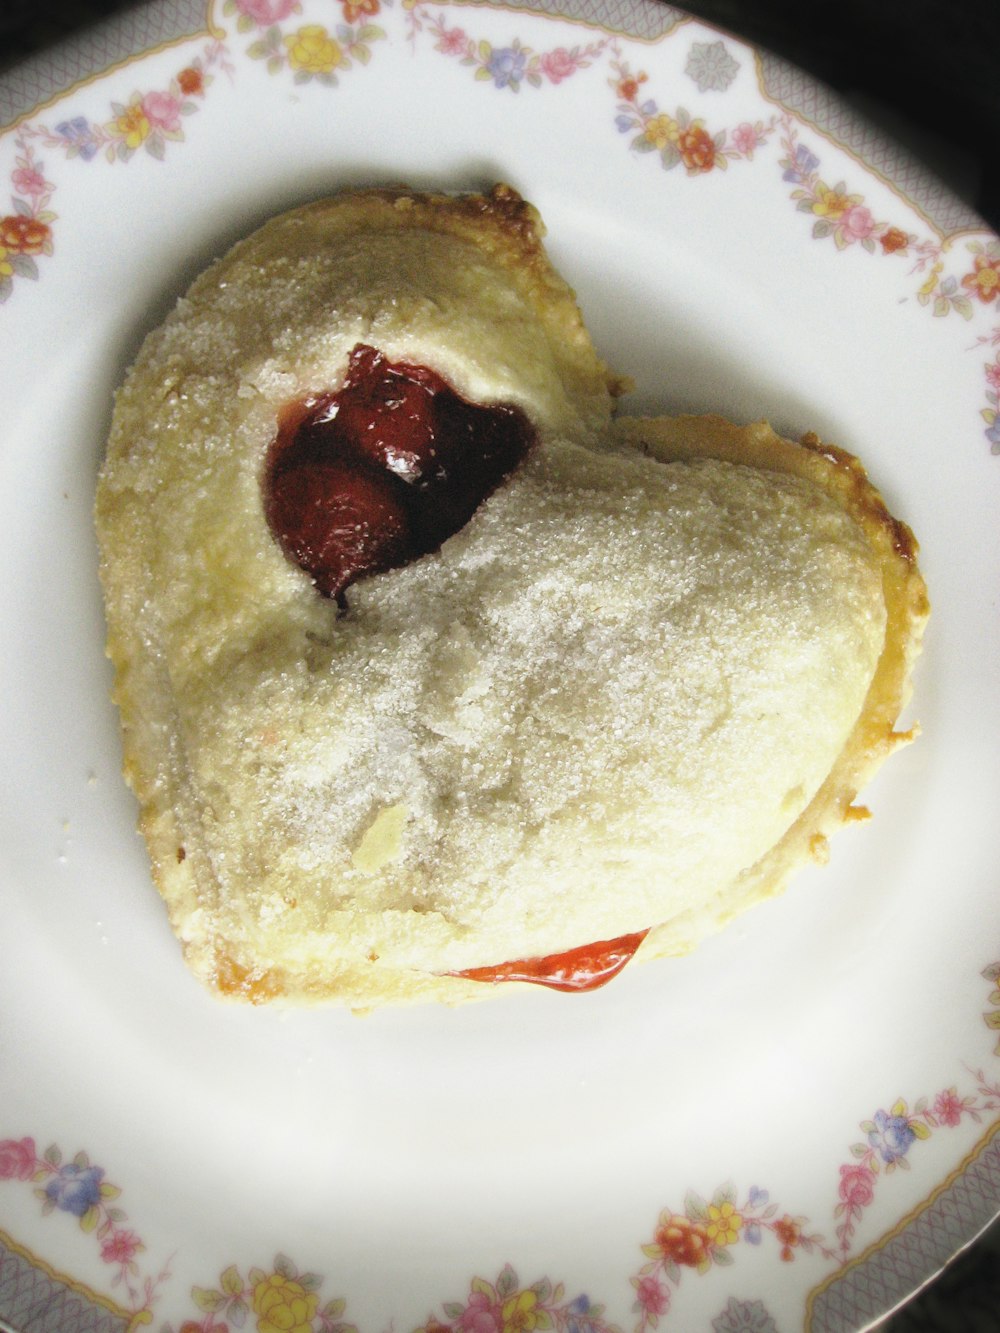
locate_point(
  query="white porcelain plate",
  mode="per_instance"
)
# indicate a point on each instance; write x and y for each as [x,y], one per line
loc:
[792,1128]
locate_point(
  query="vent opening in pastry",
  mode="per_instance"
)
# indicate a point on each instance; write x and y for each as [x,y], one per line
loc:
[384,470]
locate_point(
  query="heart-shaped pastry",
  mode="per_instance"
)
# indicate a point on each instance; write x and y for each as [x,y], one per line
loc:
[429,675]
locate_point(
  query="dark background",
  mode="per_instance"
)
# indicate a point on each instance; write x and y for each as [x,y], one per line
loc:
[928,73]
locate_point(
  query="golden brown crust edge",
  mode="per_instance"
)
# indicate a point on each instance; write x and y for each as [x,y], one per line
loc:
[841,476]
[507,226]
[504,227]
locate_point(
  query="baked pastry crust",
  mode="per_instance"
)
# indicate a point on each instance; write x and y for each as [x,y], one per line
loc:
[874,736]
[518,744]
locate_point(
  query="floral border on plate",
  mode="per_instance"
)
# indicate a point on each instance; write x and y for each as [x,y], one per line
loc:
[953,276]
[685,1244]
[707,1231]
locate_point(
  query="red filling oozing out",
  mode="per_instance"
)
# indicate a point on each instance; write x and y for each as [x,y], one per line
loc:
[586,968]
[384,470]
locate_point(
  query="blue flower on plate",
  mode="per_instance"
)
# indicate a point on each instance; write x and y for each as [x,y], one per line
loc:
[579,1319]
[803,164]
[76,1189]
[78,135]
[891,1136]
[506,66]
[993,435]
[757,1198]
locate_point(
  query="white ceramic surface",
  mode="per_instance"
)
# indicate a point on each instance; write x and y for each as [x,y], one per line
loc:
[792,1128]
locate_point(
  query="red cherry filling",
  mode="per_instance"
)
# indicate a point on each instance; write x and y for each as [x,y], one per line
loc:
[346,520]
[384,470]
[582,969]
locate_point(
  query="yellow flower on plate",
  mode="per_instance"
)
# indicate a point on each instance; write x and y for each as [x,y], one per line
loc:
[313,50]
[661,130]
[931,281]
[6,267]
[132,125]
[283,1305]
[724,1224]
[522,1314]
[830,204]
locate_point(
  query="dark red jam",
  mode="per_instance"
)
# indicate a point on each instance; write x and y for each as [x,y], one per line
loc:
[586,968]
[384,470]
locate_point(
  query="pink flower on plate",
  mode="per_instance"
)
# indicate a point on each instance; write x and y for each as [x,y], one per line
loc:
[856,223]
[121,1247]
[30,181]
[948,1107]
[558,64]
[652,1297]
[993,374]
[163,111]
[453,42]
[857,1186]
[17,1159]
[266,12]
[481,1315]
[746,138]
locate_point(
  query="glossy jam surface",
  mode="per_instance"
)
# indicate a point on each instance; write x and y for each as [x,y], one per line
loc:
[583,969]
[384,470]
